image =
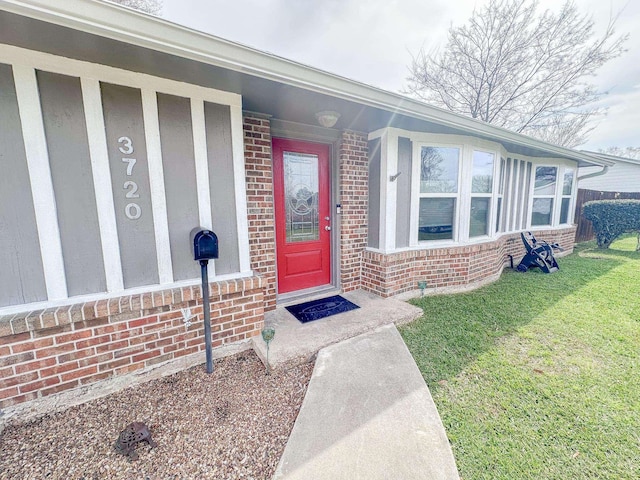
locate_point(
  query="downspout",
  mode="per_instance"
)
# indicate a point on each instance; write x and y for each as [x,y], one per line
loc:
[605,169]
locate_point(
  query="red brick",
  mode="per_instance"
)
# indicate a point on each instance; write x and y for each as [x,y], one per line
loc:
[76,355]
[39,385]
[107,347]
[76,374]
[72,337]
[18,379]
[15,359]
[145,356]
[18,337]
[128,351]
[105,357]
[57,350]
[9,402]
[38,364]
[8,392]
[114,364]
[59,388]
[6,372]
[143,321]
[58,369]
[95,378]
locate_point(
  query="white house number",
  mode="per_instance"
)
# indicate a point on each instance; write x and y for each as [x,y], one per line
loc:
[131,210]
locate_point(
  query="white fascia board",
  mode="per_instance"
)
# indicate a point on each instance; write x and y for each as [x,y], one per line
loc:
[121,23]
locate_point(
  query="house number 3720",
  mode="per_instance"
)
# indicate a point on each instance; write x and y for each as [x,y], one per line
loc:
[131,210]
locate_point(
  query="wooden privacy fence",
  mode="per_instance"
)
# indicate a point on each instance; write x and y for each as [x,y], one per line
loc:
[585,228]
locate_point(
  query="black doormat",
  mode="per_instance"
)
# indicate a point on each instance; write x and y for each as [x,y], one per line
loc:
[325,307]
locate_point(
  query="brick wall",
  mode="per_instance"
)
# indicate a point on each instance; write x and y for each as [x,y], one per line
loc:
[392,274]
[353,174]
[59,349]
[260,207]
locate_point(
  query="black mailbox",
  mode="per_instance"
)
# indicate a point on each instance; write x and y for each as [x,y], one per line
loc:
[205,244]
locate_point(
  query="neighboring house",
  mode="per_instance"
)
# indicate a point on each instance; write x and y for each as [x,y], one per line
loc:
[622,176]
[122,132]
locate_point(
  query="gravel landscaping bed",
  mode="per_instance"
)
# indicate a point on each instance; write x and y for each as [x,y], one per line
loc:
[232,424]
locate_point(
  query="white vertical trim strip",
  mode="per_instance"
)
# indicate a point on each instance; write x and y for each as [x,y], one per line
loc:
[202,169]
[202,166]
[156,185]
[382,187]
[415,193]
[44,201]
[237,148]
[102,183]
[391,188]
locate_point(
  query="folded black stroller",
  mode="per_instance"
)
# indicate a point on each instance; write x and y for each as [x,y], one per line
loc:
[539,254]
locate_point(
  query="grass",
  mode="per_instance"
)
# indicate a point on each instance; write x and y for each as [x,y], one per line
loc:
[537,376]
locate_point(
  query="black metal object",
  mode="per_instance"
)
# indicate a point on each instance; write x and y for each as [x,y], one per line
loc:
[539,254]
[133,434]
[205,248]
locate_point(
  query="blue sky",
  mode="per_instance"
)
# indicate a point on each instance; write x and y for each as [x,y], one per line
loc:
[372,41]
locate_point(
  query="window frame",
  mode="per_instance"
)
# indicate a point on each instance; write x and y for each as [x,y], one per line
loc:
[418,195]
[554,197]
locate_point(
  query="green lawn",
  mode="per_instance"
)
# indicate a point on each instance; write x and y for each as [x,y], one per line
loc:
[537,376]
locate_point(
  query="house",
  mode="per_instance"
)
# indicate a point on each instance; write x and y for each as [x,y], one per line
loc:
[122,132]
[623,176]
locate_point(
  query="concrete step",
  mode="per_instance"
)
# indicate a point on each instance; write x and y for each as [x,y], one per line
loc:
[295,342]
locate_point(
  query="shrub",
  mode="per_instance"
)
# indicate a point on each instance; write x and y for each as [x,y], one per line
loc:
[612,218]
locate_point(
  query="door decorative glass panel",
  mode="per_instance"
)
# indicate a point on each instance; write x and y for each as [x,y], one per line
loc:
[301,196]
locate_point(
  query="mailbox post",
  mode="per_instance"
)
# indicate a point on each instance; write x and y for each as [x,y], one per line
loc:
[205,248]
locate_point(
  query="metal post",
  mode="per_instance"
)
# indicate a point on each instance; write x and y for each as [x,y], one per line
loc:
[207,313]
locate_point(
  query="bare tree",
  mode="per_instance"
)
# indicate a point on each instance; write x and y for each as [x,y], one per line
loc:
[153,7]
[516,69]
[627,152]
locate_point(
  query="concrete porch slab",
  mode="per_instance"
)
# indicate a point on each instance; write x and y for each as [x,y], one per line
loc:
[296,342]
[367,415]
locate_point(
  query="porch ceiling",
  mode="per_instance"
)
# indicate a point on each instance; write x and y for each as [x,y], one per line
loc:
[265,88]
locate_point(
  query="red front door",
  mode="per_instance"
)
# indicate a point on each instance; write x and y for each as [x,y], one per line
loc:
[303,227]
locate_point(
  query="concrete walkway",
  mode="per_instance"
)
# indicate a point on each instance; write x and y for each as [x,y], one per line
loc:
[367,414]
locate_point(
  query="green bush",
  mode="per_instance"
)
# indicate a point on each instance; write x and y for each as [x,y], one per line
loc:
[612,218]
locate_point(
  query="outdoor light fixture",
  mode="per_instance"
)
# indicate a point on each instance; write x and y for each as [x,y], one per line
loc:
[422,284]
[327,118]
[267,336]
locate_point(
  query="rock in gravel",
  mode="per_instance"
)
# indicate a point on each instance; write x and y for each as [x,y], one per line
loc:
[231,424]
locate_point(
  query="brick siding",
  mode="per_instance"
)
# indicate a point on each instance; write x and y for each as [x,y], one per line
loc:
[353,175]
[50,351]
[260,206]
[388,275]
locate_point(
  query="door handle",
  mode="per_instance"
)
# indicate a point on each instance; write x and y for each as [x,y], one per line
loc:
[327,228]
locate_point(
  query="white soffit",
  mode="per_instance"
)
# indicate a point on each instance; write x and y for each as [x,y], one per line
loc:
[130,26]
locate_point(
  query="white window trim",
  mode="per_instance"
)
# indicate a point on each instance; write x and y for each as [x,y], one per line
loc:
[493,195]
[416,195]
[554,196]
[571,196]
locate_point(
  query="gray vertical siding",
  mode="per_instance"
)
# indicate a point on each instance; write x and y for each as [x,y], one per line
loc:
[66,132]
[221,182]
[178,163]
[403,205]
[21,272]
[374,194]
[123,117]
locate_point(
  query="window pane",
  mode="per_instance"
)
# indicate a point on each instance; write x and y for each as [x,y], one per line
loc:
[545,181]
[301,196]
[479,222]
[503,166]
[498,212]
[436,218]
[541,211]
[568,182]
[439,170]
[564,210]
[482,180]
